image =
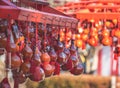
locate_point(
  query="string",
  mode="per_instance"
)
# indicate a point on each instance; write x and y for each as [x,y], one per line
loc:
[27,25]
[66,30]
[45,33]
[59,29]
[36,32]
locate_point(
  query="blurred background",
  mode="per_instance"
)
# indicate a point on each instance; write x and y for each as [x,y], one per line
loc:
[101,69]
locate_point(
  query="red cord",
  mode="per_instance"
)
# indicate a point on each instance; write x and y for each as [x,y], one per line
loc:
[36,33]
[45,34]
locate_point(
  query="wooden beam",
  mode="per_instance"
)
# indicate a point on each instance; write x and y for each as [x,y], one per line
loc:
[98,15]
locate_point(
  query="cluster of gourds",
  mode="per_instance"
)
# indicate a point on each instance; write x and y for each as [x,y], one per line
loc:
[36,51]
[94,33]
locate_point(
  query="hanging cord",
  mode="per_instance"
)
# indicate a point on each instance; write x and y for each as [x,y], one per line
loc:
[59,29]
[50,36]
[27,26]
[45,34]
[36,31]
[36,34]
[105,10]
[66,30]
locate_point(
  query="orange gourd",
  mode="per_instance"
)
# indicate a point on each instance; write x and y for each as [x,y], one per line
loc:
[107,41]
[15,61]
[45,57]
[86,31]
[48,69]
[92,41]
[117,33]
[79,43]
[25,67]
[105,33]
[27,51]
[84,37]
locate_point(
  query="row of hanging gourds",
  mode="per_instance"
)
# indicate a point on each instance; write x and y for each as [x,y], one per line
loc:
[36,51]
[96,32]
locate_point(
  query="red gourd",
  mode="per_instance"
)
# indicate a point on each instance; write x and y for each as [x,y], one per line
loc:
[37,74]
[25,67]
[61,59]
[36,57]
[74,59]
[78,69]
[59,47]
[53,55]
[57,67]
[73,48]
[48,69]
[68,65]
[67,52]
[27,51]
[13,47]
[15,61]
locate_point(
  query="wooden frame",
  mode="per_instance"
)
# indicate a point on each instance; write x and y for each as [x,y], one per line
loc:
[24,14]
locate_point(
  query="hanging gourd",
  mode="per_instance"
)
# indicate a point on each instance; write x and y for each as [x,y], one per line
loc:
[86,31]
[117,33]
[48,69]
[36,57]
[61,59]
[37,74]
[107,41]
[68,35]
[79,43]
[73,48]
[84,37]
[62,35]
[78,69]
[68,65]
[105,33]
[67,52]
[15,61]
[45,57]
[27,51]
[53,55]
[25,67]
[92,41]
[77,36]
[57,67]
